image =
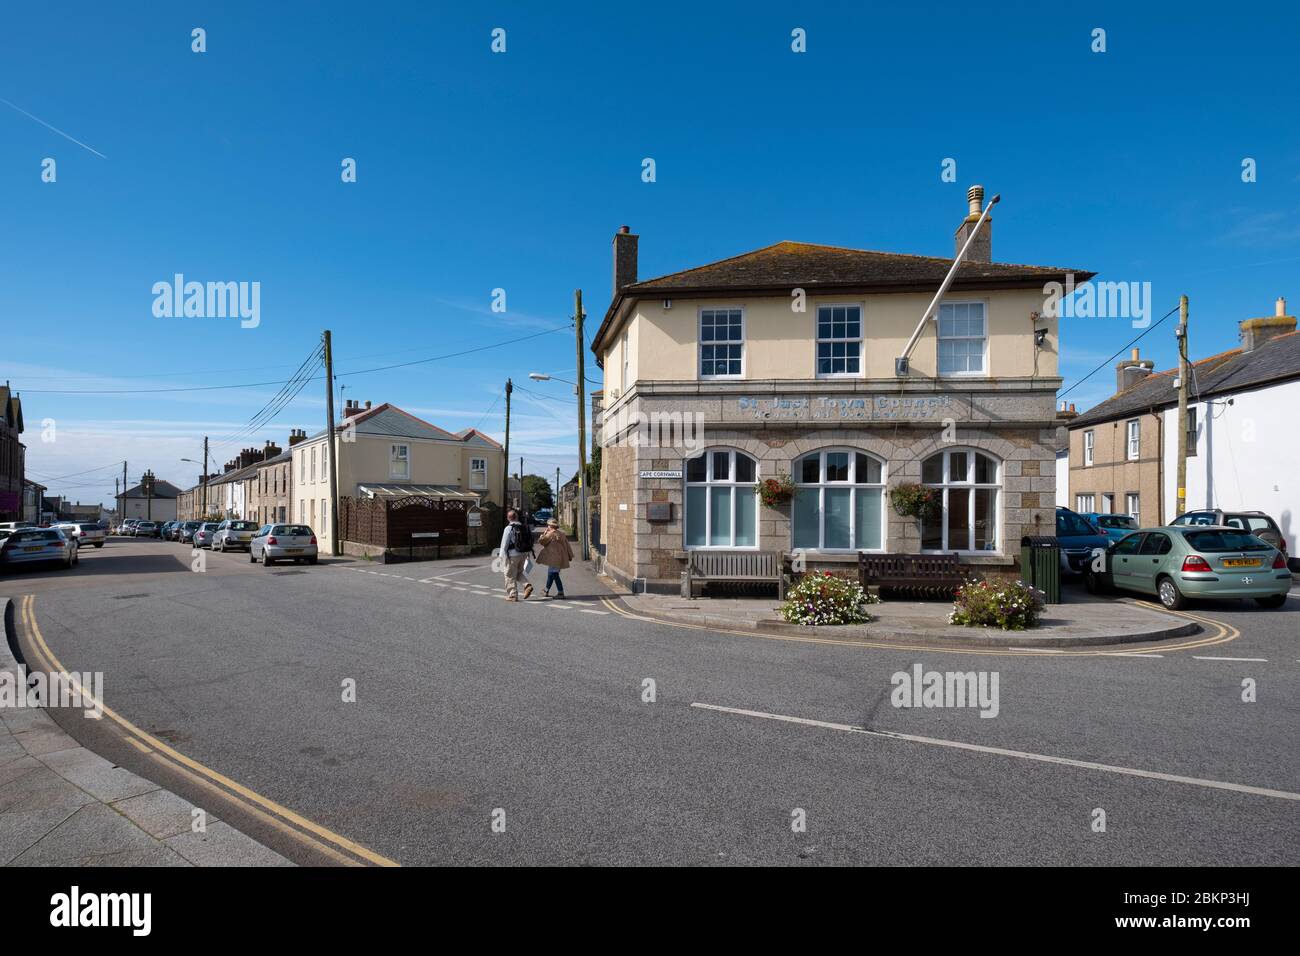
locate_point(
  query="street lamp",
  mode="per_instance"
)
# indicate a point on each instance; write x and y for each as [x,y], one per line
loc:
[543,377]
[582,458]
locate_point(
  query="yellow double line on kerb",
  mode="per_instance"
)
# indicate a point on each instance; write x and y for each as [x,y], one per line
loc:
[313,835]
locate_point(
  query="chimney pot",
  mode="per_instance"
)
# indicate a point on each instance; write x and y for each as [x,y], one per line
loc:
[975,200]
[1135,354]
[1279,307]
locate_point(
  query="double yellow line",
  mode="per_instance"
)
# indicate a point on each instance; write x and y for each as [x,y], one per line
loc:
[1221,634]
[312,835]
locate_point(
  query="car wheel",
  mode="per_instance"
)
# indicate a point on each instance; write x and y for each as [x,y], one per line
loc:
[1092,581]
[1170,596]
[266,559]
[251,559]
[1273,601]
[100,545]
[311,560]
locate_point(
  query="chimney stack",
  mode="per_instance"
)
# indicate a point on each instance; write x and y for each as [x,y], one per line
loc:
[1255,332]
[270,450]
[353,407]
[296,435]
[981,250]
[1132,370]
[625,244]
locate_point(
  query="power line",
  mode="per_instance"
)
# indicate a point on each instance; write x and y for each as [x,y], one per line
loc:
[436,358]
[1145,332]
[75,473]
[288,392]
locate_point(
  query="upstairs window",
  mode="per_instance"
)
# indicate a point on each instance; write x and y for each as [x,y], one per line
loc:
[839,340]
[478,473]
[399,462]
[1089,440]
[963,335]
[1134,439]
[722,343]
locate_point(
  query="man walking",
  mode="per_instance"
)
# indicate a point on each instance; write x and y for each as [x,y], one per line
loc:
[516,548]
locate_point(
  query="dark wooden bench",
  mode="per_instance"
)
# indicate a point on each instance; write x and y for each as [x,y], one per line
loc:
[930,574]
[702,567]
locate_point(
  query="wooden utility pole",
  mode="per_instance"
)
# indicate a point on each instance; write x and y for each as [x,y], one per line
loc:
[1180,505]
[123,518]
[204,479]
[505,475]
[332,463]
[582,428]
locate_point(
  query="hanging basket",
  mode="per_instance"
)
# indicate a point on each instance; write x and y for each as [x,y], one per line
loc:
[911,500]
[774,492]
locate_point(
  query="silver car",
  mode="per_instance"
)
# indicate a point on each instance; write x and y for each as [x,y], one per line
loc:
[37,546]
[204,534]
[233,535]
[283,542]
[85,532]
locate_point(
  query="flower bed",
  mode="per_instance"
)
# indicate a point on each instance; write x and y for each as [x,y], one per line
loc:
[1009,605]
[822,598]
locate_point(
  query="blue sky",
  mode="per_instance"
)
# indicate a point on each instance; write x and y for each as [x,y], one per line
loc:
[479,171]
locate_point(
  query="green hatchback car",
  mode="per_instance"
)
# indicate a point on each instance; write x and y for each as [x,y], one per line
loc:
[1178,563]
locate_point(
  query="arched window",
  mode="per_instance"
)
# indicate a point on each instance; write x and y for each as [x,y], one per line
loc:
[969,481]
[839,502]
[721,507]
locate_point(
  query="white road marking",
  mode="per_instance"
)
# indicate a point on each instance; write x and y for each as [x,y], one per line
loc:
[1018,754]
[1132,654]
[1251,660]
[1039,650]
[587,610]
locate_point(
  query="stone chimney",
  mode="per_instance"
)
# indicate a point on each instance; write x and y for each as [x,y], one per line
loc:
[249,456]
[1255,332]
[981,250]
[1131,371]
[296,435]
[351,407]
[230,466]
[270,450]
[1065,412]
[624,258]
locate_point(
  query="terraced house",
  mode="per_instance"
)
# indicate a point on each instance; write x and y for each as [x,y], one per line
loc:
[781,362]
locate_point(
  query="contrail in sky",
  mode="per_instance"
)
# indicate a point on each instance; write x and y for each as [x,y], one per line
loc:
[56,129]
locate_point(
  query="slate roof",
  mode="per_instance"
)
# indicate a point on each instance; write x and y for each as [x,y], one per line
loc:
[1277,359]
[390,421]
[161,489]
[786,265]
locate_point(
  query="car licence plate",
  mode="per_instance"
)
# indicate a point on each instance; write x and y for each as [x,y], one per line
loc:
[39,547]
[1242,562]
[293,550]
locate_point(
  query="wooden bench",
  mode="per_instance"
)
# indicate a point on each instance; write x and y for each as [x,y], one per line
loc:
[934,574]
[702,567]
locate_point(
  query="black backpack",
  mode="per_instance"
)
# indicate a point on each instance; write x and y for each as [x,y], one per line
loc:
[522,540]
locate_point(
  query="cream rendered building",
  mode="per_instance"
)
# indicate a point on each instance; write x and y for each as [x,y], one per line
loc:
[386,446]
[782,362]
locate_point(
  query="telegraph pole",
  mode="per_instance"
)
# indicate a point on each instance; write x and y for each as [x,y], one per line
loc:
[123,492]
[1181,332]
[505,476]
[329,444]
[582,429]
[204,480]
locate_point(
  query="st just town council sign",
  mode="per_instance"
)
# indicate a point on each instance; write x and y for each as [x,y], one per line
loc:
[856,408]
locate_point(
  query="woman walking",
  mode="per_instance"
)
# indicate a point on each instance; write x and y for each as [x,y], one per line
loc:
[556,555]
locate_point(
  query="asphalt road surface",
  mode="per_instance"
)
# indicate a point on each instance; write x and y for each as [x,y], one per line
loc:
[484,732]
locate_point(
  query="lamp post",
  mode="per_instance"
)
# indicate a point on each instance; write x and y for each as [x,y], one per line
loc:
[582,452]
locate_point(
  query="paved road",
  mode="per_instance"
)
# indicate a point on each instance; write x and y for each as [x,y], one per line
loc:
[466,705]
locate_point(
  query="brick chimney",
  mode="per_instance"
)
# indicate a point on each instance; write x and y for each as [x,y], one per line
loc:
[230,466]
[625,244]
[1255,332]
[296,435]
[270,450]
[351,407]
[981,250]
[1132,370]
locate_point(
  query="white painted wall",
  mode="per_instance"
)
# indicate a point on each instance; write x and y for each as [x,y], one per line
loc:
[1063,479]
[1247,457]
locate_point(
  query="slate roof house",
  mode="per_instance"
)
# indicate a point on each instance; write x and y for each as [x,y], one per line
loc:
[1123,452]
[781,362]
[161,507]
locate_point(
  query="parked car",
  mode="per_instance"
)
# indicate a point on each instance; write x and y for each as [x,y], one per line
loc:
[185,534]
[37,546]
[1178,563]
[1079,539]
[127,527]
[83,532]
[233,534]
[283,542]
[165,530]
[1112,526]
[1256,522]
[15,525]
[145,529]
[203,534]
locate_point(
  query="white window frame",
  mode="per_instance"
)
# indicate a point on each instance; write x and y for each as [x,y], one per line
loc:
[1133,439]
[1133,504]
[1089,445]
[738,497]
[1084,503]
[854,485]
[394,458]
[700,343]
[938,337]
[477,466]
[313,464]
[948,484]
[1108,502]
[860,340]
